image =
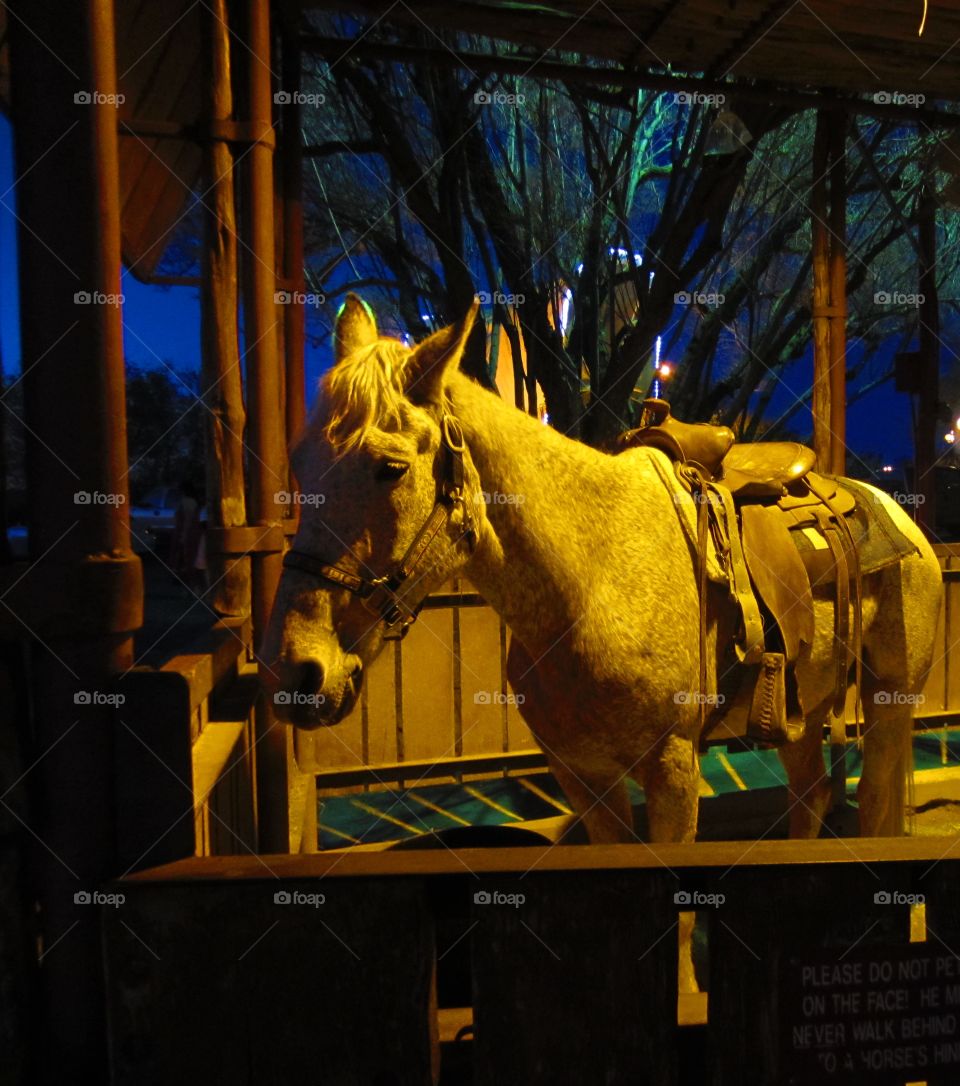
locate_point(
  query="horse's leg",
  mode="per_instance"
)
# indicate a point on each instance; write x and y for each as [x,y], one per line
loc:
[898,650]
[598,796]
[671,777]
[886,764]
[808,782]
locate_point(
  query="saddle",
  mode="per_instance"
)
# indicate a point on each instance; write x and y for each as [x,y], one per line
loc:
[751,500]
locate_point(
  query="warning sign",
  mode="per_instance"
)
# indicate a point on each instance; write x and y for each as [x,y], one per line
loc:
[873,1015]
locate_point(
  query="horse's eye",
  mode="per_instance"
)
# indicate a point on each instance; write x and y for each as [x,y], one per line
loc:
[389,470]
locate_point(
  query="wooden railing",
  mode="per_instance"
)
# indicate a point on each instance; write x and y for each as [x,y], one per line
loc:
[438,705]
[184,751]
[325,969]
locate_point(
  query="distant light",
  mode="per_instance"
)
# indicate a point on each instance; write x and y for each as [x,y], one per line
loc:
[950,437]
[665,369]
[426,318]
[656,353]
[887,467]
[566,298]
[545,419]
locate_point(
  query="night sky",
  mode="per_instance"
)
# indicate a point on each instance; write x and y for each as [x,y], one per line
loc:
[162,325]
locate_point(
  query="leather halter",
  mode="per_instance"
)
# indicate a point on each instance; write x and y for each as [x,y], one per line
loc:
[381,594]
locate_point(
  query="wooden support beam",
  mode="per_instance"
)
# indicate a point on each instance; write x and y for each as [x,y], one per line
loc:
[819,225]
[291,174]
[221,378]
[600,80]
[925,440]
[68,210]
[838,292]
[267,443]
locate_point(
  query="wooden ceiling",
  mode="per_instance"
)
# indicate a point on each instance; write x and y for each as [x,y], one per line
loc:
[863,47]
[860,46]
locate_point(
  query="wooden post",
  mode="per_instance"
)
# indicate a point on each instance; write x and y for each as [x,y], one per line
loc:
[926,429]
[268,471]
[221,377]
[838,292]
[822,443]
[292,187]
[83,595]
[828,209]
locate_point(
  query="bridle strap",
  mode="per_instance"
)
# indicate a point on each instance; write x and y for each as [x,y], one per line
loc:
[392,608]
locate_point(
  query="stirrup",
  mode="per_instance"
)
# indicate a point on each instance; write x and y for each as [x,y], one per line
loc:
[768,721]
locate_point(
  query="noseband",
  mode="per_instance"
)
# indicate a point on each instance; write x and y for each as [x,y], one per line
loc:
[380,594]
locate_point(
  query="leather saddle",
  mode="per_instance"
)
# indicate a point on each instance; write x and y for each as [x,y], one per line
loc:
[751,499]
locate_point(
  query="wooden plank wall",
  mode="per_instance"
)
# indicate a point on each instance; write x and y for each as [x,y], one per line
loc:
[321,969]
[439,694]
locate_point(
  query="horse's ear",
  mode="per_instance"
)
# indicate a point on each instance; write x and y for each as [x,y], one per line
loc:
[356,327]
[431,362]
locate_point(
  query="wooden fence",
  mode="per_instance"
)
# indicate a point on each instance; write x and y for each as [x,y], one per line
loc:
[438,704]
[326,969]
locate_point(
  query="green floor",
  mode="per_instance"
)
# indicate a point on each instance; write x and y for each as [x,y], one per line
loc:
[382,816]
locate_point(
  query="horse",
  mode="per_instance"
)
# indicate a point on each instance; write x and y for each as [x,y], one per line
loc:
[589,567]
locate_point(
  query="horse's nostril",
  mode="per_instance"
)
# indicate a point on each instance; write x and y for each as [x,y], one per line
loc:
[310,675]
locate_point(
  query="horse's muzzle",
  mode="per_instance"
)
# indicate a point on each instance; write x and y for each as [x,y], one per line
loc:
[303,695]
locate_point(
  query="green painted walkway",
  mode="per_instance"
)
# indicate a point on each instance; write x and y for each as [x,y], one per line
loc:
[384,816]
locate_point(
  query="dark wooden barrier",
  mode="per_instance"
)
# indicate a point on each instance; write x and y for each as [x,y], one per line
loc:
[573,952]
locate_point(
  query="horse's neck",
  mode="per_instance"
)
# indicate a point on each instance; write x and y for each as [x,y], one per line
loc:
[538,551]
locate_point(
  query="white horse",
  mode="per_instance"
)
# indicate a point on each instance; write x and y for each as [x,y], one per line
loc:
[592,572]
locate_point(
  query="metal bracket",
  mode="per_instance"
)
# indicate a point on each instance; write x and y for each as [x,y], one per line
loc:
[246,539]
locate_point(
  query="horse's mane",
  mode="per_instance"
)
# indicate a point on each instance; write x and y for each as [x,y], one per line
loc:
[363,391]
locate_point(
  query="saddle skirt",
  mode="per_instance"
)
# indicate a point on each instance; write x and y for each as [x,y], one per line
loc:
[778,534]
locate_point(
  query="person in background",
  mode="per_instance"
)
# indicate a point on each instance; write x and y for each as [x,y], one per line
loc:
[185,548]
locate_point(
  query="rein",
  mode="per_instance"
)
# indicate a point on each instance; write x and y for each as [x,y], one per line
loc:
[380,595]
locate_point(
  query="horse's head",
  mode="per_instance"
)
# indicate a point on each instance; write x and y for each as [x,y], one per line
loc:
[389,510]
